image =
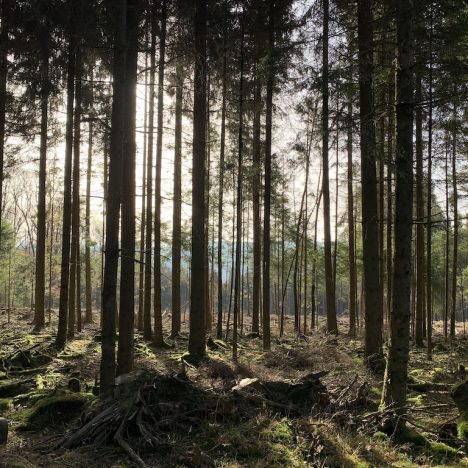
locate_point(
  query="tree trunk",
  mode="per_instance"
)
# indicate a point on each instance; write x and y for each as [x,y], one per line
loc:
[109,291]
[147,332]
[197,336]
[39,299]
[158,338]
[73,305]
[5,11]
[419,318]
[239,218]
[177,205]
[88,279]
[219,325]
[67,184]
[429,205]
[208,314]
[370,234]
[351,235]
[127,235]
[267,194]
[141,272]
[257,230]
[390,158]
[395,382]
[332,326]
[455,227]
[447,248]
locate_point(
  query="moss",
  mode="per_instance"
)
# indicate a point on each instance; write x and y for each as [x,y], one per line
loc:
[416,400]
[279,431]
[5,405]
[443,449]
[54,410]
[460,397]
[379,435]
[409,436]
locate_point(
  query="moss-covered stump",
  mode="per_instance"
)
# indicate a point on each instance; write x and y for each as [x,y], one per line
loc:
[57,409]
[460,397]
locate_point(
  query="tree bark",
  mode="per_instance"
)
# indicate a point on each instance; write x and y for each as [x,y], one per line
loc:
[370,233]
[67,184]
[219,325]
[429,203]
[147,331]
[267,194]
[128,228]
[257,231]
[39,296]
[419,318]
[158,338]
[4,43]
[197,336]
[88,279]
[118,12]
[455,227]
[239,217]
[177,205]
[351,234]
[332,326]
[73,304]
[395,382]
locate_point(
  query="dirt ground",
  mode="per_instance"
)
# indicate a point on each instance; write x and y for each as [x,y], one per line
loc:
[214,429]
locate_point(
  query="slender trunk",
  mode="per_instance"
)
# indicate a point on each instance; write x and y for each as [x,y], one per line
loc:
[257,246]
[67,183]
[147,332]
[73,305]
[419,317]
[128,229]
[455,228]
[158,338]
[39,299]
[5,12]
[395,382]
[141,272]
[237,297]
[447,248]
[267,194]
[390,159]
[177,205]
[332,326]
[351,234]
[88,279]
[51,240]
[219,325]
[370,239]
[313,312]
[197,335]
[109,291]
[208,314]
[429,207]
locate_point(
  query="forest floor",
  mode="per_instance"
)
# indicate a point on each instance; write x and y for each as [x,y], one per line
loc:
[220,413]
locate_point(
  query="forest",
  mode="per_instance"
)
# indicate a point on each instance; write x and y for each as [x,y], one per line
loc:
[233,233]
